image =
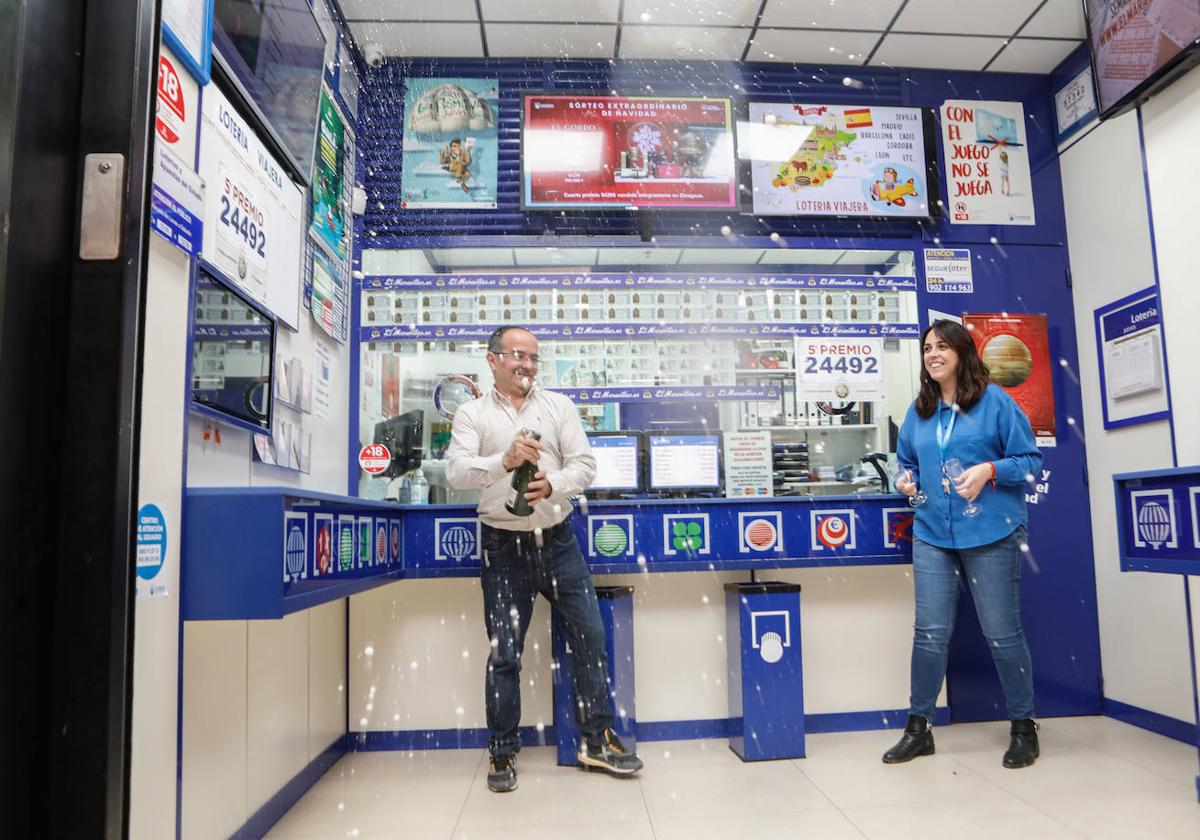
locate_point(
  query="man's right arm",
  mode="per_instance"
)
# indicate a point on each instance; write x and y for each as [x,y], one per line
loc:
[466,469]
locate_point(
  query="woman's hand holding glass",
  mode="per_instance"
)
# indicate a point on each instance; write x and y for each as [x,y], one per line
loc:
[968,483]
[903,479]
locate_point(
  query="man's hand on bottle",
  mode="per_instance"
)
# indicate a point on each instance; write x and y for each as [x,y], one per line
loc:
[539,488]
[521,450]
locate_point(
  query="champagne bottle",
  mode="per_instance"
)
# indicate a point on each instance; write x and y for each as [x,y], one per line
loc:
[517,504]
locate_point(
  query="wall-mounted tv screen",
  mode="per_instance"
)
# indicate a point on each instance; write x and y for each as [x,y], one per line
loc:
[233,346]
[838,160]
[275,52]
[616,461]
[627,151]
[1138,46]
[685,461]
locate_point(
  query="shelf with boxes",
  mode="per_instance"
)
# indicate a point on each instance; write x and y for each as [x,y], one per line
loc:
[690,306]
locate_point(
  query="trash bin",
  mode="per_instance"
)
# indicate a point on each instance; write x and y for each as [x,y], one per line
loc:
[766,685]
[616,611]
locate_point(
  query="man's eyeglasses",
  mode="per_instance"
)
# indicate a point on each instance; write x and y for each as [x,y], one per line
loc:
[520,356]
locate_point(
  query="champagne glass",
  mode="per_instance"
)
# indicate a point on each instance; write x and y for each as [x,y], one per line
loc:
[904,474]
[954,470]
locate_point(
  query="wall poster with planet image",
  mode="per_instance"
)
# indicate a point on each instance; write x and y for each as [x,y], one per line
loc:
[1016,349]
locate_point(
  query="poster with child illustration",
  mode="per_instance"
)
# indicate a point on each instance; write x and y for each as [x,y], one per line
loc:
[986,163]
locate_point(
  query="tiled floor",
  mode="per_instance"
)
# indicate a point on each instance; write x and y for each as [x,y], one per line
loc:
[1097,778]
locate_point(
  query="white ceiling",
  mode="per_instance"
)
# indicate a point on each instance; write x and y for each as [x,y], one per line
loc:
[1016,36]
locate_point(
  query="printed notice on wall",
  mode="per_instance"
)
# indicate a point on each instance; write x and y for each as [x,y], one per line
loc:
[987,163]
[151,551]
[1132,367]
[748,468]
[322,361]
[948,271]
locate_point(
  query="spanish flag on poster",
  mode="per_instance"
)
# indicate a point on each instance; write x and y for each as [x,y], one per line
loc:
[858,118]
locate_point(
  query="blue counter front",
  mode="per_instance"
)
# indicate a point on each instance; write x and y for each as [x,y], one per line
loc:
[266,552]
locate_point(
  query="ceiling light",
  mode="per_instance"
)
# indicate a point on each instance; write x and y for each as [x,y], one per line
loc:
[645,17]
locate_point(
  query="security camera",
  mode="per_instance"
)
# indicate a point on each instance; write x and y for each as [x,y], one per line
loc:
[374,55]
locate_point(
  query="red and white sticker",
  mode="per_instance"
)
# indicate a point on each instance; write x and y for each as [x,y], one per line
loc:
[171,111]
[374,458]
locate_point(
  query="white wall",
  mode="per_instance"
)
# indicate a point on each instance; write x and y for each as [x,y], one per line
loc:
[261,700]
[429,648]
[1142,621]
[1171,121]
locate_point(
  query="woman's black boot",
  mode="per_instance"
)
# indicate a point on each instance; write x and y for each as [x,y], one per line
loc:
[1023,746]
[917,740]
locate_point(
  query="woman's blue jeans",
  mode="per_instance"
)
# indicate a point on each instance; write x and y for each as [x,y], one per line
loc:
[993,574]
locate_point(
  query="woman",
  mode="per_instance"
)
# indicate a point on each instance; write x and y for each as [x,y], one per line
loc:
[958,414]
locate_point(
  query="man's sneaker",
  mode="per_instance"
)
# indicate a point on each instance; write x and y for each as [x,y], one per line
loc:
[502,773]
[609,754]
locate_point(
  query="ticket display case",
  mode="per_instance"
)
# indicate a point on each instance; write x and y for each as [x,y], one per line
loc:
[656,350]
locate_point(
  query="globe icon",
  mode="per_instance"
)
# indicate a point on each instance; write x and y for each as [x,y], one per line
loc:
[1154,524]
[610,540]
[1008,359]
[458,542]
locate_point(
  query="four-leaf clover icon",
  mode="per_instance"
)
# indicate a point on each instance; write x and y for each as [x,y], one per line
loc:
[686,536]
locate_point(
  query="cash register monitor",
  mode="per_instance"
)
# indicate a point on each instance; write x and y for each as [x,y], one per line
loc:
[684,461]
[402,436]
[616,455]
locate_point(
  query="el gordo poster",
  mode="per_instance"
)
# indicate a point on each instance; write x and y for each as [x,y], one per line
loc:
[987,163]
[1016,349]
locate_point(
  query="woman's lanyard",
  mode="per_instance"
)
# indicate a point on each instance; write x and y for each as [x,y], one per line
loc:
[943,441]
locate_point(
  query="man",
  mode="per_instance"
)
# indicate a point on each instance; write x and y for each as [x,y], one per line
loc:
[525,555]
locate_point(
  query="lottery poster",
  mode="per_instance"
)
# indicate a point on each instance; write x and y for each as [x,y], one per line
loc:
[1016,349]
[450,143]
[839,370]
[987,163]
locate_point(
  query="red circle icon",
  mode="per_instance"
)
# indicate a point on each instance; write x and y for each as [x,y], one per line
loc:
[832,532]
[374,458]
[761,534]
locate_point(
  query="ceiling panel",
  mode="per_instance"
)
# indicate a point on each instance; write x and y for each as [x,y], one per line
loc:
[561,11]
[439,40]
[720,256]
[695,12]
[409,9]
[637,256]
[842,14]
[794,45]
[556,257]
[1058,19]
[683,42]
[452,258]
[551,40]
[1023,55]
[965,17]
[936,51]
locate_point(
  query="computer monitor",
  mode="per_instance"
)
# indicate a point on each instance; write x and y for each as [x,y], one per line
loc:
[402,436]
[616,455]
[684,461]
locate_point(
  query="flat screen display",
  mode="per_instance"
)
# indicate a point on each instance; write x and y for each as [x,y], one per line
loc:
[277,54]
[684,461]
[836,160]
[232,350]
[616,462]
[618,151]
[1134,42]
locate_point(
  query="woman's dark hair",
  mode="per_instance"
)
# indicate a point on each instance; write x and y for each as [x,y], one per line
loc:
[972,372]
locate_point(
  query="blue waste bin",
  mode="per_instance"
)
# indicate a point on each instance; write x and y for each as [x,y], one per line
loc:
[616,611]
[766,685]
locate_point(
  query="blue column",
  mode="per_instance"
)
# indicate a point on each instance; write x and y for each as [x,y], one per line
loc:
[766,685]
[616,611]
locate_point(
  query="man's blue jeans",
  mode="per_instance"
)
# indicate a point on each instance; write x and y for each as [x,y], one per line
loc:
[515,569]
[993,574]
